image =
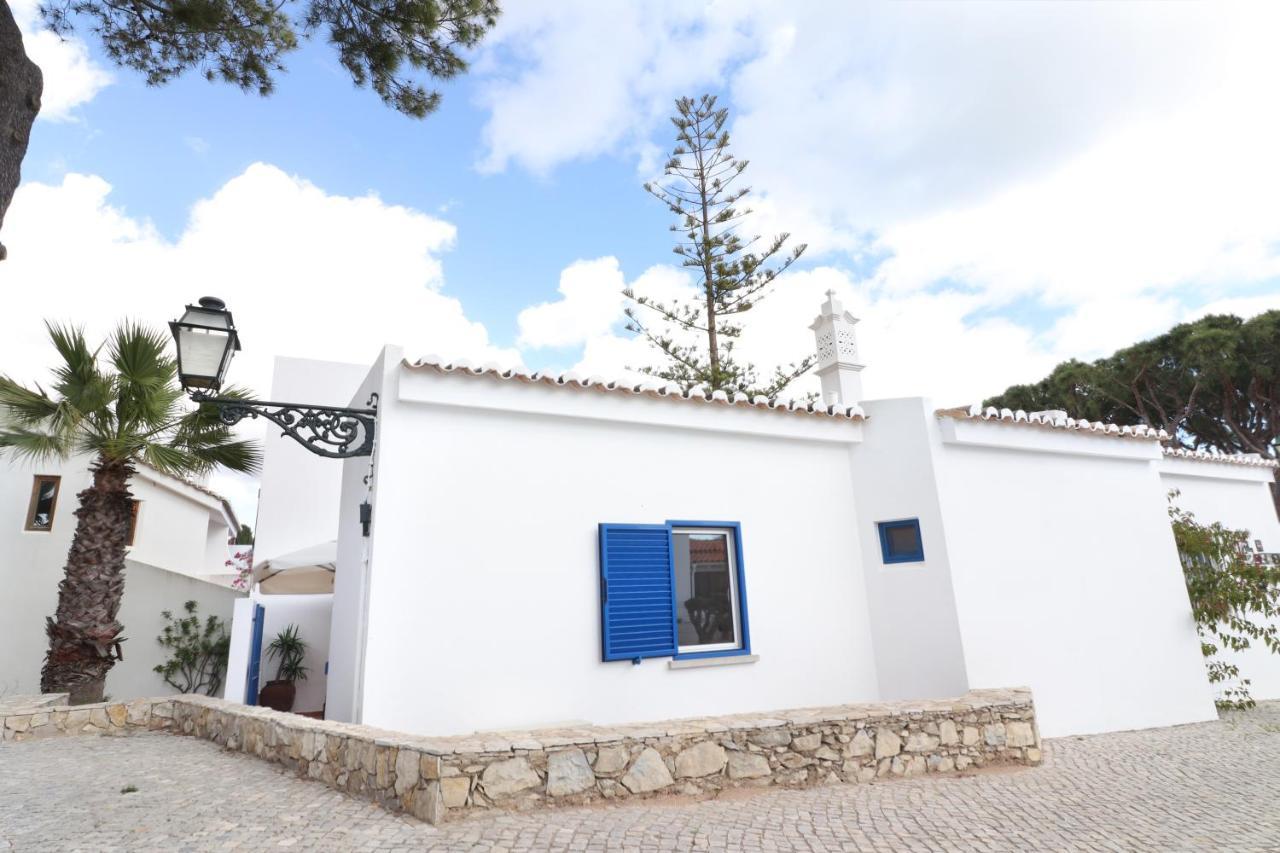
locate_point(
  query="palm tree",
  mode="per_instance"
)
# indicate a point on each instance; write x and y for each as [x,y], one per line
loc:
[122,407]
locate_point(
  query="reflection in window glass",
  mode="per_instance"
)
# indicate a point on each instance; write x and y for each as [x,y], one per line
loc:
[706,590]
[44,499]
[904,539]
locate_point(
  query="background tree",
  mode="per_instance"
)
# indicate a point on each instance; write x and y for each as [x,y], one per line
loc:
[698,186]
[1235,597]
[388,45]
[1212,384]
[120,409]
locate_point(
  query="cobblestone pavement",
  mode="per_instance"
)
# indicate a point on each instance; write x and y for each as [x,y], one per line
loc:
[1212,786]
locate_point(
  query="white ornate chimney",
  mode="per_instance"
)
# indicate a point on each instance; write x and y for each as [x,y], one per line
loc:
[838,366]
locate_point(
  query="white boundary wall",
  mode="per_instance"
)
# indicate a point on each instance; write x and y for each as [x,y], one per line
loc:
[1067,577]
[1239,497]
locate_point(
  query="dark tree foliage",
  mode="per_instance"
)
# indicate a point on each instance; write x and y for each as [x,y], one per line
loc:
[1213,384]
[698,187]
[387,45]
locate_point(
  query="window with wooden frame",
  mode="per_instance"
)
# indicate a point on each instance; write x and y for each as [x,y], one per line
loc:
[44,503]
[133,522]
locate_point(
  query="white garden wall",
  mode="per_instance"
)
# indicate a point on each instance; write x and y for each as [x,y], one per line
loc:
[484,597]
[1066,576]
[1239,497]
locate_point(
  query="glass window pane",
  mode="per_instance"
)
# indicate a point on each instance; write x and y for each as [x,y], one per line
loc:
[904,539]
[706,589]
[43,501]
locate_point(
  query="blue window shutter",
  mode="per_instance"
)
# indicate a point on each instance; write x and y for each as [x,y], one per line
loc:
[637,617]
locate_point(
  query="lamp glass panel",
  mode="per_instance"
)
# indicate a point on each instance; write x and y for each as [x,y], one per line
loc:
[202,352]
[202,317]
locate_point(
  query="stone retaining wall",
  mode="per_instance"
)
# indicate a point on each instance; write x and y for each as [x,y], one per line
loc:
[39,718]
[439,778]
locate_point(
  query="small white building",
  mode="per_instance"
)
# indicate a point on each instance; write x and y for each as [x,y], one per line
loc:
[551,548]
[177,553]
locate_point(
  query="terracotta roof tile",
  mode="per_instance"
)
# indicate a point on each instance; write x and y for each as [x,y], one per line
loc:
[1051,420]
[669,391]
[1251,459]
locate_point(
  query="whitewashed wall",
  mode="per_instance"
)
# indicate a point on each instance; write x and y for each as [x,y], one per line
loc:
[484,606]
[1066,577]
[913,607]
[298,501]
[352,579]
[147,592]
[1239,497]
[170,554]
[311,614]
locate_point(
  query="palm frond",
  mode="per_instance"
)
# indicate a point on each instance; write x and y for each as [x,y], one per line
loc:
[21,405]
[79,382]
[36,445]
[145,373]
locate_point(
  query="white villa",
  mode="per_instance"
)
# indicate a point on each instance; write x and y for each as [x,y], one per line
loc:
[550,548]
[177,553]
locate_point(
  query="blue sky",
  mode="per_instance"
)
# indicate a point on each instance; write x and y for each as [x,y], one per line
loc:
[991,187]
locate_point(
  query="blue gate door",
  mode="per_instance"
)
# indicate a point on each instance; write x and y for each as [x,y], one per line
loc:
[255,656]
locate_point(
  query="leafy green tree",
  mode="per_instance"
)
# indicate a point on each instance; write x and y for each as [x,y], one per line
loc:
[121,407]
[197,653]
[698,187]
[1234,598]
[387,45]
[1212,384]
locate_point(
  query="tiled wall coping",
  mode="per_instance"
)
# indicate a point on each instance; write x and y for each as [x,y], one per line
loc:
[436,778]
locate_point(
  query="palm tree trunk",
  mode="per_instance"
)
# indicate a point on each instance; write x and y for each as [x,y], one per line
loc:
[84,636]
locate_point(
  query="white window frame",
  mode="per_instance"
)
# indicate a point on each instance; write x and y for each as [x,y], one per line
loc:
[735,600]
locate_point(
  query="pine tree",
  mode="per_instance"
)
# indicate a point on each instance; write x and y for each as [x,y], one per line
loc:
[698,186]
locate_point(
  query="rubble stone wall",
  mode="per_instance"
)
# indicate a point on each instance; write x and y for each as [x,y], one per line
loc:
[439,778]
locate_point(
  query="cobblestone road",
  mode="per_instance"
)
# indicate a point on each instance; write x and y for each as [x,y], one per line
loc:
[1214,786]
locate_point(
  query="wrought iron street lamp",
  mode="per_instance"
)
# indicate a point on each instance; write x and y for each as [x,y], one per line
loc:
[206,338]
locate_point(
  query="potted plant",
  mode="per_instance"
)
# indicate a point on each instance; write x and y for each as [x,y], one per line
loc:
[289,649]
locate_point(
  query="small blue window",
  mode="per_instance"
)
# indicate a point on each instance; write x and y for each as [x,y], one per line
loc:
[672,590]
[900,541]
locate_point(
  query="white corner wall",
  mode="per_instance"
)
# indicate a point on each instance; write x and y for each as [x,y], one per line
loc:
[299,498]
[358,480]
[912,606]
[1239,497]
[235,685]
[1067,579]
[484,598]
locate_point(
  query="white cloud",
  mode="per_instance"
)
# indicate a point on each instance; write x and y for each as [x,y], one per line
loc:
[306,273]
[1013,183]
[577,78]
[590,303]
[71,78]
[918,344]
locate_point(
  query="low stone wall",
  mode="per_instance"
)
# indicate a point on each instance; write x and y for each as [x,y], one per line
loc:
[439,778]
[29,718]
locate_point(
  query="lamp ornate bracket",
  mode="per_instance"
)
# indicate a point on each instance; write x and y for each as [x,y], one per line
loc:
[337,433]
